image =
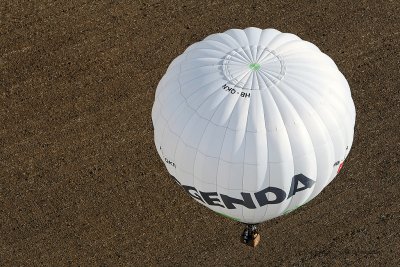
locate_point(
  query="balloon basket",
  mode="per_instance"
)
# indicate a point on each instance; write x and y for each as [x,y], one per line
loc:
[250,236]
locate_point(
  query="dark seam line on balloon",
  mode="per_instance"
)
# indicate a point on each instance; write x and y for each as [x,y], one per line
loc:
[317,114]
[268,56]
[211,118]
[197,49]
[236,55]
[247,52]
[260,55]
[244,157]
[300,52]
[245,140]
[344,134]
[209,121]
[243,54]
[166,120]
[232,39]
[236,81]
[226,130]
[210,183]
[258,37]
[316,161]
[237,101]
[240,34]
[219,157]
[296,76]
[274,38]
[304,64]
[320,118]
[269,79]
[204,65]
[256,77]
[281,209]
[296,50]
[157,114]
[279,75]
[161,138]
[179,140]
[213,122]
[265,34]
[327,142]
[201,74]
[200,105]
[216,45]
[186,82]
[202,102]
[347,119]
[268,91]
[180,91]
[330,114]
[197,90]
[309,86]
[268,149]
[236,36]
[231,162]
[265,54]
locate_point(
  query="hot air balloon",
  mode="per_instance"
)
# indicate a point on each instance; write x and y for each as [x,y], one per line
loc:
[253,123]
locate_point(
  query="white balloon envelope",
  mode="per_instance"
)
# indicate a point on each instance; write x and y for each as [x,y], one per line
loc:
[253,123]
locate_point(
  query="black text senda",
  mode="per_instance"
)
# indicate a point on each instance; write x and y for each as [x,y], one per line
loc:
[225,201]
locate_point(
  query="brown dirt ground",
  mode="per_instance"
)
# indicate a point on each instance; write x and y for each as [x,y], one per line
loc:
[81,182]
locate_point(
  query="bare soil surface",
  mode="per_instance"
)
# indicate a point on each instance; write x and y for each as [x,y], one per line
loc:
[80,179]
